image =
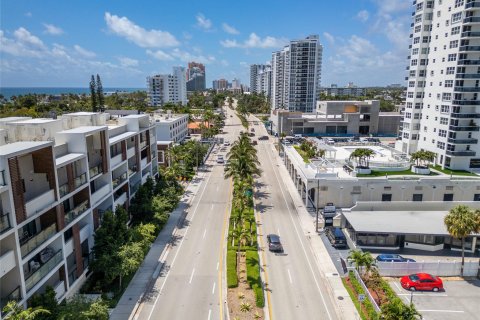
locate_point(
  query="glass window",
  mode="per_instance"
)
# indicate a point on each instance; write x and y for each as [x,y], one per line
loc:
[448,197]
[387,197]
[417,197]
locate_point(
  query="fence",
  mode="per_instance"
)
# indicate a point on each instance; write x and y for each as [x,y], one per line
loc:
[369,296]
[437,268]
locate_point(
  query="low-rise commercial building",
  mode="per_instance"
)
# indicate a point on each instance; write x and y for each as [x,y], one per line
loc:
[57,178]
[170,127]
[338,118]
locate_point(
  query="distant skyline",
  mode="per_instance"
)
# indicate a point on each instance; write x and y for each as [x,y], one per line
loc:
[60,43]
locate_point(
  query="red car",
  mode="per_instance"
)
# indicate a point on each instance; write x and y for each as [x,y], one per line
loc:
[421,281]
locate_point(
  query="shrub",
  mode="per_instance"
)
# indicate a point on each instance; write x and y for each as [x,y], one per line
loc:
[372,314]
[253,276]
[259,296]
[245,306]
[232,279]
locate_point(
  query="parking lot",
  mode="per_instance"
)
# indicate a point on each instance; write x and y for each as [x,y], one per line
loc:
[459,300]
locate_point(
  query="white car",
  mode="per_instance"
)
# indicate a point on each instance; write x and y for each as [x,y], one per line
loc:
[220,159]
[226,144]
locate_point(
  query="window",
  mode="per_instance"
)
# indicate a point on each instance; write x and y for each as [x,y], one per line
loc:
[414,62]
[455,30]
[418,28]
[419,6]
[448,197]
[442,133]
[441,145]
[476,197]
[453,44]
[426,39]
[448,83]
[458,3]
[450,70]
[445,109]
[415,51]
[417,197]
[387,197]
[161,156]
[416,40]
[418,18]
[446,96]
[443,120]
[410,95]
[452,57]
[456,17]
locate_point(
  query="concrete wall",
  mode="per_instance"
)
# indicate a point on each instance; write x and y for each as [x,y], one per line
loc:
[388,123]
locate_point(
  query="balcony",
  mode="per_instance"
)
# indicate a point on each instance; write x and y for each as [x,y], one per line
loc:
[64,190]
[471,20]
[464,153]
[130,152]
[473,4]
[119,180]
[119,199]
[76,212]
[465,115]
[466,89]
[30,243]
[464,128]
[469,48]
[468,62]
[116,160]
[15,295]
[467,102]
[36,276]
[80,180]
[2,178]
[467,76]
[95,171]
[143,162]
[143,144]
[59,290]
[4,222]
[7,262]
[470,34]
[40,202]
[100,193]
[463,141]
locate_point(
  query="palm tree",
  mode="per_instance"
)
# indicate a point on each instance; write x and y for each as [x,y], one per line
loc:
[243,237]
[362,259]
[15,311]
[422,157]
[461,222]
[362,156]
[395,309]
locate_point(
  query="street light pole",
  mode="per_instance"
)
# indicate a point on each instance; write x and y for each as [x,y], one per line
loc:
[316,207]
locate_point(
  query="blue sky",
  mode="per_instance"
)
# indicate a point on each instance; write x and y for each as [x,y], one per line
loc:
[61,43]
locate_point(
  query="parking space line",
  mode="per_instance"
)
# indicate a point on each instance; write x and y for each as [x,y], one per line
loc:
[396,285]
[289,276]
[423,295]
[444,311]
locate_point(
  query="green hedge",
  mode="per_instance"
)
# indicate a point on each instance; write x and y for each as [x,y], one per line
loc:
[354,299]
[232,279]
[253,276]
[371,313]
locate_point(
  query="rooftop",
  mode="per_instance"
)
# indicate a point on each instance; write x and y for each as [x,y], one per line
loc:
[84,129]
[19,147]
[36,121]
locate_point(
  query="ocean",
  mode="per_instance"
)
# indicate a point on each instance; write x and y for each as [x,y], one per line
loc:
[8,92]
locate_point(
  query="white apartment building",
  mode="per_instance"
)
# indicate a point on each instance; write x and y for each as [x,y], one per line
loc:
[296,75]
[170,127]
[261,79]
[442,105]
[163,88]
[57,178]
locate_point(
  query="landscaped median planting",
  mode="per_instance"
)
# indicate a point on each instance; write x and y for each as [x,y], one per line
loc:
[253,277]
[232,279]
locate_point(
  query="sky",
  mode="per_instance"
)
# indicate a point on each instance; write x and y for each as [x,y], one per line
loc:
[61,43]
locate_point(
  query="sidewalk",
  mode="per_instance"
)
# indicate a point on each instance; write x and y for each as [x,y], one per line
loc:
[345,308]
[146,275]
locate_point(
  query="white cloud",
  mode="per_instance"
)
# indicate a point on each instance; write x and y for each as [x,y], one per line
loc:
[187,35]
[24,36]
[128,62]
[255,41]
[393,21]
[363,15]
[23,44]
[186,56]
[53,30]
[123,27]
[160,55]
[329,37]
[203,22]
[84,52]
[391,6]
[229,29]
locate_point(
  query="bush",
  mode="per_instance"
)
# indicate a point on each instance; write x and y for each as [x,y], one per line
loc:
[232,279]
[354,299]
[372,314]
[253,276]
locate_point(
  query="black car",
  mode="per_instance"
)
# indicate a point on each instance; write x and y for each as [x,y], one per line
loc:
[336,237]
[274,243]
[263,138]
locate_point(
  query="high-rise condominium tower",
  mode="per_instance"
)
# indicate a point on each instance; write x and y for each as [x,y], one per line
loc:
[296,72]
[163,88]
[442,109]
[261,79]
[195,77]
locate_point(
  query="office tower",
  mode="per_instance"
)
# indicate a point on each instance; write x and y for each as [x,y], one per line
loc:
[442,104]
[195,77]
[163,88]
[261,79]
[296,72]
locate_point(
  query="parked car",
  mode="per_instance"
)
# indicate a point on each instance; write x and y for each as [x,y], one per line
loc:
[336,237]
[274,243]
[226,143]
[392,258]
[252,130]
[421,281]
[254,142]
[263,138]
[220,159]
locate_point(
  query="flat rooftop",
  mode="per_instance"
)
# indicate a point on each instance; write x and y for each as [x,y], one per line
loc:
[11,149]
[84,129]
[35,121]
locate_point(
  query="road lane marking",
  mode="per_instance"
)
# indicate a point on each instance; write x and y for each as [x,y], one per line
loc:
[213,289]
[300,239]
[204,233]
[396,285]
[218,264]
[211,207]
[289,276]
[221,252]
[445,311]
[278,231]
[179,247]
[209,314]
[191,276]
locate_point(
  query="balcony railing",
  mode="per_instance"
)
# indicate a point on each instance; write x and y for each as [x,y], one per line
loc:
[464,128]
[473,4]
[468,62]
[469,48]
[462,141]
[40,202]
[95,171]
[35,277]
[465,115]
[467,102]
[76,212]
[80,180]
[471,19]
[4,222]
[117,181]
[100,193]
[15,295]
[469,34]
[467,76]
[143,144]
[29,244]
[64,190]
[466,89]
[464,153]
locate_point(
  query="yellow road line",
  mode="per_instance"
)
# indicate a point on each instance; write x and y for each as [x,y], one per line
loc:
[222,239]
[259,232]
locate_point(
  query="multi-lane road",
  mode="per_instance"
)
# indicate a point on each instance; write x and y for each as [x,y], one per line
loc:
[191,283]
